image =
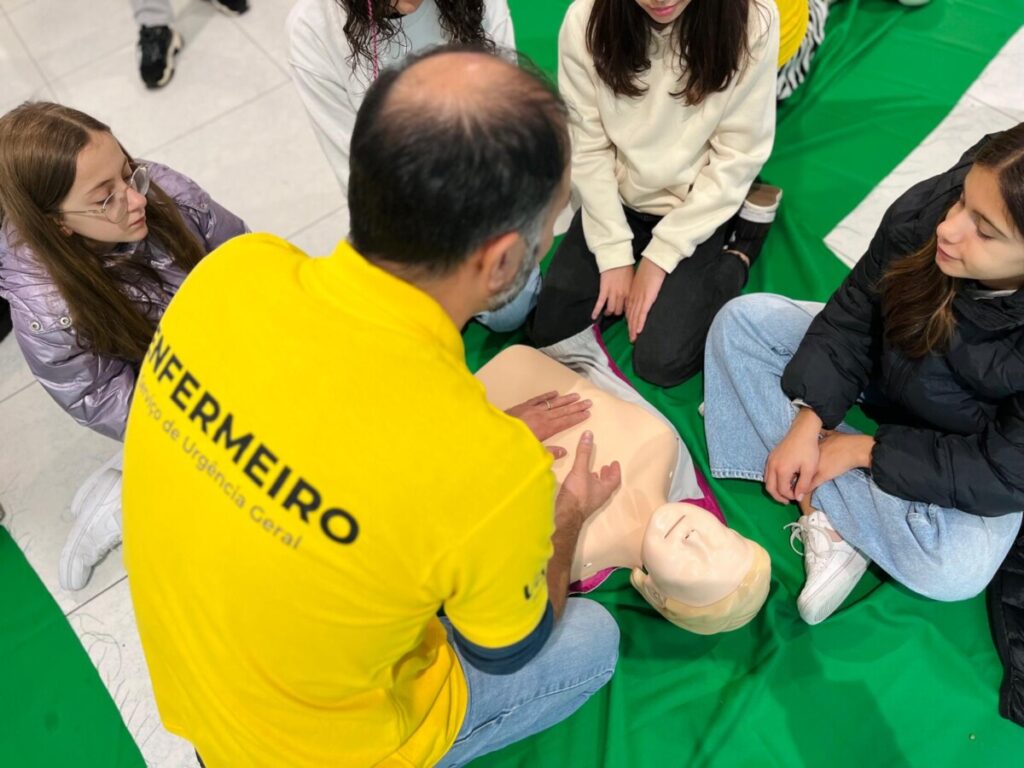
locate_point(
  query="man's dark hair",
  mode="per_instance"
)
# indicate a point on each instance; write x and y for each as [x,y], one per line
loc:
[430,181]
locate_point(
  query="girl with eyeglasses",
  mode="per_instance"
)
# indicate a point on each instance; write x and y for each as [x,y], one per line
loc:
[93,245]
[336,49]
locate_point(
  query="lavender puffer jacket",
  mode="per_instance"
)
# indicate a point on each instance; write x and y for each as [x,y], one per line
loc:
[96,390]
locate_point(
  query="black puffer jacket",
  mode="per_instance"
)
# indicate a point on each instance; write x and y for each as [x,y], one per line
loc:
[951,425]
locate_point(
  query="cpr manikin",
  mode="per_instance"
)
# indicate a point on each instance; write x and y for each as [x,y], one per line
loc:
[695,571]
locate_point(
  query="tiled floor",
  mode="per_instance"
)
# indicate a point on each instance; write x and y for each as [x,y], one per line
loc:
[231,119]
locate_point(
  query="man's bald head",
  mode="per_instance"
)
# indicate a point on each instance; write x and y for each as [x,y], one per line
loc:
[452,149]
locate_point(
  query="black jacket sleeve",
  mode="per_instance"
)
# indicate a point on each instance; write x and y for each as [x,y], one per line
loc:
[982,474]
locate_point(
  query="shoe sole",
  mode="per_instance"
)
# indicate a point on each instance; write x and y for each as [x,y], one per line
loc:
[826,609]
[177,43]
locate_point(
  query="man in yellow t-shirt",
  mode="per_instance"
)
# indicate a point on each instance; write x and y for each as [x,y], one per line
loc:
[312,474]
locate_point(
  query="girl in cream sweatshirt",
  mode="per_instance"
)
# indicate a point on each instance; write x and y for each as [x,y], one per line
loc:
[672,111]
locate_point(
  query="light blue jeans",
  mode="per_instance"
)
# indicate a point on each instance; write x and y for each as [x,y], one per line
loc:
[513,315]
[944,554]
[576,661]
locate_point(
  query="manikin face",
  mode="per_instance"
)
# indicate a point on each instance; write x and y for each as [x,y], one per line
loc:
[977,239]
[102,170]
[663,11]
[691,557]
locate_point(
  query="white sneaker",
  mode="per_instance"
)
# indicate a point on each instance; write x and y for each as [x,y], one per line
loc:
[86,489]
[96,531]
[833,567]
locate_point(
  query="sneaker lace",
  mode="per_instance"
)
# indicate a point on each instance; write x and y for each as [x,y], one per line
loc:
[799,530]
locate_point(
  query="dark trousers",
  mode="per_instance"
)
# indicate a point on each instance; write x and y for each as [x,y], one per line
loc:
[5,319]
[671,347]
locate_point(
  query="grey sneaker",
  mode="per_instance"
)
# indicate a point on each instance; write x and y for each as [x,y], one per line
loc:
[833,568]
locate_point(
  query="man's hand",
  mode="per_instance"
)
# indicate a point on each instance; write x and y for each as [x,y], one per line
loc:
[646,285]
[583,492]
[548,414]
[839,454]
[791,466]
[615,285]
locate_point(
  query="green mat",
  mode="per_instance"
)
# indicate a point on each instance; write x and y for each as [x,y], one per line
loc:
[54,709]
[890,680]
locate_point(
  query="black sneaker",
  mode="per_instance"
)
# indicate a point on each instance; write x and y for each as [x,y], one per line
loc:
[157,48]
[230,7]
[751,224]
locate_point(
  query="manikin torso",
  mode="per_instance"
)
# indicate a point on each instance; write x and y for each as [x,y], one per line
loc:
[692,554]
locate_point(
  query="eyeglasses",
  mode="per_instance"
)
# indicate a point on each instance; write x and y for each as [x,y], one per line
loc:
[115,207]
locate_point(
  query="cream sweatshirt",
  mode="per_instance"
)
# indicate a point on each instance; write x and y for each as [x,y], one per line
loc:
[658,155]
[331,91]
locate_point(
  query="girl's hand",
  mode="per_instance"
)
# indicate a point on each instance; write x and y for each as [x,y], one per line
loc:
[615,285]
[839,453]
[646,285]
[791,467]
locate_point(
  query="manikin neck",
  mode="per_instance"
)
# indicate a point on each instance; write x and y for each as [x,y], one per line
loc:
[613,536]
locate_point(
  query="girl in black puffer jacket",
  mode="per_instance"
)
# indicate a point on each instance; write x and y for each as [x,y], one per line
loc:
[927,333]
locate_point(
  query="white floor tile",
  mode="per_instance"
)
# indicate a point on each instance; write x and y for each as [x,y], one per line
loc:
[262,162]
[1001,85]
[14,373]
[20,76]
[69,35]
[320,238]
[10,5]
[264,23]
[106,626]
[219,70]
[45,457]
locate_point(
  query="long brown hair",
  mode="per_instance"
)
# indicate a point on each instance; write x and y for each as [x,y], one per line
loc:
[39,147]
[461,20]
[917,296]
[710,38]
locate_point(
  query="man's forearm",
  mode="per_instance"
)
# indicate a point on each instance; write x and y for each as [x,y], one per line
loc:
[564,540]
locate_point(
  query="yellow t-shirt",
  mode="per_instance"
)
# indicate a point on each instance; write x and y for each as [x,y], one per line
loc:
[311,472]
[794,16]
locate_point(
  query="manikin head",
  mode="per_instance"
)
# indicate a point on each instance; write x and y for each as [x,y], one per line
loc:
[699,574]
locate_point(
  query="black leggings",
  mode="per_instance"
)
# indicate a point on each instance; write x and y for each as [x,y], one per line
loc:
[671,347]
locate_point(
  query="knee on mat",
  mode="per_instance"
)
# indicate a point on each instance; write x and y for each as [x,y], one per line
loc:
[743,317]
[596,629]
[664,366]
[948,583]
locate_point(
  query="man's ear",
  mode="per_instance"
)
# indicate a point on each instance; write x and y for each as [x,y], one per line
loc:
[498,263]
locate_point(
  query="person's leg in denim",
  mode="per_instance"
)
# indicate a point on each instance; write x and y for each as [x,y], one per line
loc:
[941,553]
[578,659]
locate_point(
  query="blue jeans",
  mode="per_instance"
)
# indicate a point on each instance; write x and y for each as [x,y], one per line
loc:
[576,661]
[513,314]
[941,553]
